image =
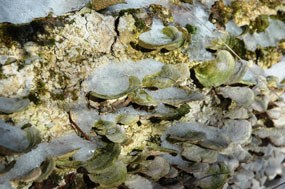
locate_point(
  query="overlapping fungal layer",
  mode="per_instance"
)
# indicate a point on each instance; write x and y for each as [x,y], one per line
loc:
[148,123]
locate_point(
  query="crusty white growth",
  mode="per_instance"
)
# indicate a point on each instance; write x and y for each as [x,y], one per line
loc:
[19,82]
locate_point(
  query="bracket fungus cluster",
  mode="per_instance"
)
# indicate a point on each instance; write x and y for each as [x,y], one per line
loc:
[143,93]
[23,139]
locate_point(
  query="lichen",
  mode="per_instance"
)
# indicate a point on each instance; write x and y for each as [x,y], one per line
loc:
[109,117]
[139,22]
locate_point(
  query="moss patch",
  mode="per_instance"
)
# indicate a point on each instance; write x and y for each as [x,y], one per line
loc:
[22,33]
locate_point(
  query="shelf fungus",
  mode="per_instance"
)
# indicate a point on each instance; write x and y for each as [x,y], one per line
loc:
[115,99]
[243,96]
[23,139]
[133,84]
[105,168]
[111,176]
[160,37]
[116,79]
[103,157]
[11,105]
[168,76]
[172,96]
[38,174]
[198,141]
[214,177]
[168,112]
[156,168]
[197,154]
[111,130]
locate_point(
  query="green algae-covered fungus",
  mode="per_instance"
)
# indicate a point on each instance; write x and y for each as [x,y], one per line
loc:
[112,176]
[168,76]
[120,98]
[216,72]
